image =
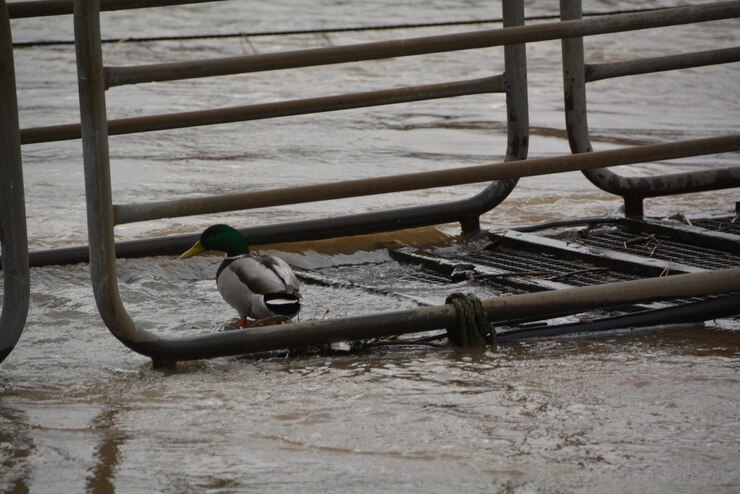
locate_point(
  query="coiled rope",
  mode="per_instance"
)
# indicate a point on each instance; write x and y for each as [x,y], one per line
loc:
[472,329]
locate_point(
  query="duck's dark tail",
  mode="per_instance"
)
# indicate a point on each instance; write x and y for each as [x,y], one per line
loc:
[283,304]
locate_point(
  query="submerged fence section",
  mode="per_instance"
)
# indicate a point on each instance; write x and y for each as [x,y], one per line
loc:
[576,73]
[95,78]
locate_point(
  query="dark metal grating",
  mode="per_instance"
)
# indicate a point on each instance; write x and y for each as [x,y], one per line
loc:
[549,267]
[616,238]
[724,225]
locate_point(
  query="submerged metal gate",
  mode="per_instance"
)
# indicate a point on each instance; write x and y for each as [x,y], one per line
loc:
[103,215]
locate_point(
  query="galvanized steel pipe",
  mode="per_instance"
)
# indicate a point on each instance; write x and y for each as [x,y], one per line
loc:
[42,8]
[600,71]
[98,194]
[117,76]
[542,304]
[632,189]
[13,236]
[494,84]
[440,178]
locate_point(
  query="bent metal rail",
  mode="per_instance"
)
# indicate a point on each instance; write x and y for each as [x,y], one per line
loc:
[13,237]
[95,78]
[576,73]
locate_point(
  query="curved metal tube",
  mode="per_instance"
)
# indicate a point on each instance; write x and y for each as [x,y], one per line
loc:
[632,189]
[381,221]
[101,217]
[13,236]
[544,304]
[97,177]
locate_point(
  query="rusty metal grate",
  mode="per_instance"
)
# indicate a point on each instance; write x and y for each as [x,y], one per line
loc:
[724,225]
[547,266]
[653,246]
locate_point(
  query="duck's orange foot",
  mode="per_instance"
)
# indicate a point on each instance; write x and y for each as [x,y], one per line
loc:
[239,323]
[246,322]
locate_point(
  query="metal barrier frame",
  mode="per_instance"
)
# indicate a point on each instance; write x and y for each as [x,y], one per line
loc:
[13,233]
[466,211]
[575,76]
[102,214]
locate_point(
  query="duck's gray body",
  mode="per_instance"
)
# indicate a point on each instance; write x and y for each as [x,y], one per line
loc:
[259,287]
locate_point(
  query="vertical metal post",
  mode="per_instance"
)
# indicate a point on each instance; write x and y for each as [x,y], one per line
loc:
[100,218]
[574,83]
[517,118]
[576,118]
[515,74]
[13,234]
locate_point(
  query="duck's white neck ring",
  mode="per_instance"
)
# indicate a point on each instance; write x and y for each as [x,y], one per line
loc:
[232,258]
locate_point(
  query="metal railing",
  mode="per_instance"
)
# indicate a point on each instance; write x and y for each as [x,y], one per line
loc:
[40,8]
[13,235]
[576,73]
[103,215]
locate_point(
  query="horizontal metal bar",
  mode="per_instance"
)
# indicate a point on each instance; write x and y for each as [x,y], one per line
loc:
[597,72]
[664,185]
[494,84]
[117,76]
[297,231]
[440,178]
[511,307]
[315,30]
[685,313]
[42,8]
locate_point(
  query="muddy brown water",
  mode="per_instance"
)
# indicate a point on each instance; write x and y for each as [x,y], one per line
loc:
[647,411]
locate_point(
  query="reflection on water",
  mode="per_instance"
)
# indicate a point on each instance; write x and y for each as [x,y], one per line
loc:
[101,478]
[580,412]
[646,411]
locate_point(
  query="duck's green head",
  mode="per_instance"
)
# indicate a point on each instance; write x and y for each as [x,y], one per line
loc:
[221,238]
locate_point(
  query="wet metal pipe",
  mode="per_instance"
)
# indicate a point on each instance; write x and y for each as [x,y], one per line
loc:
[494,84]
[117,76]
[102,248]
[511,307]
[42,8]
[693,312]
[632,189]
[440,178]
[517,134]
[100,214]
[13,235]
[98,192]
[598,72]
[464,210]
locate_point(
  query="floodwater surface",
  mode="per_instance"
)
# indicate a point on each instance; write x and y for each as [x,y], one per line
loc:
[648,411]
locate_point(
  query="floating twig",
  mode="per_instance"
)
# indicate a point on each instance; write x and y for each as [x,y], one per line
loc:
[577,273]
[510,274]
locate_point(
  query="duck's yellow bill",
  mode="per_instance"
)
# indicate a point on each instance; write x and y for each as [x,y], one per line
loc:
[192,251]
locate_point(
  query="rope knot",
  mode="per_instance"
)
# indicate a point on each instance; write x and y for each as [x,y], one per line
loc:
[473,328]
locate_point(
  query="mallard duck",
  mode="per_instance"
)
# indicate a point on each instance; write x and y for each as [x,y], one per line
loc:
[258,287]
